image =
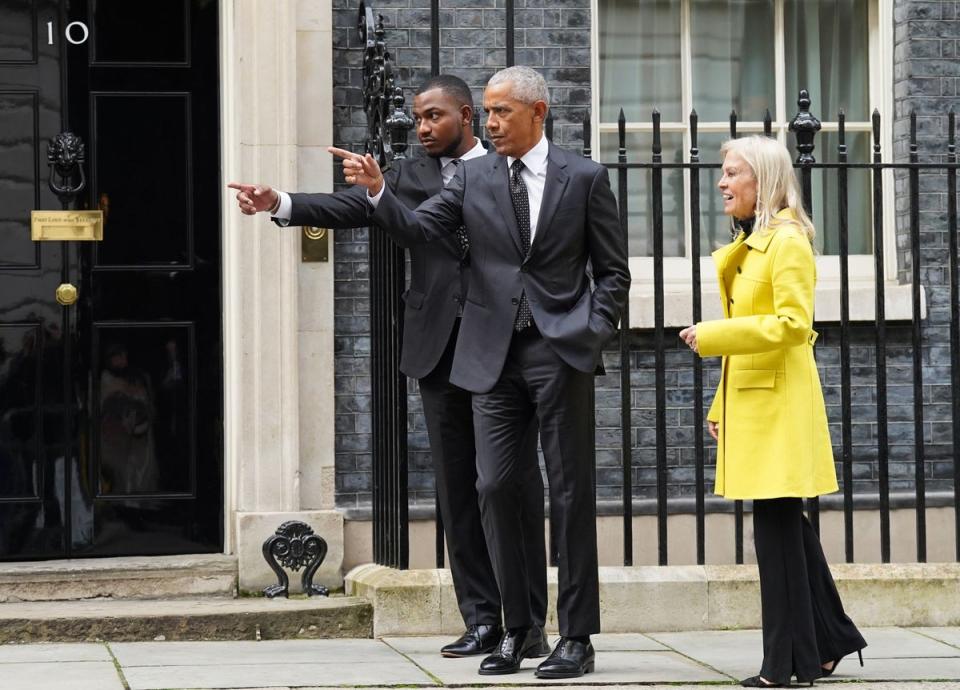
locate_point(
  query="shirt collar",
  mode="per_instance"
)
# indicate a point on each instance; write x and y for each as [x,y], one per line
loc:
[536,158]
[475,152]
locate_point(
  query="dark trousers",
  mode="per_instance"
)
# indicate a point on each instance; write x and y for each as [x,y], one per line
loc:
[449,417]
[537,385]
[804,624]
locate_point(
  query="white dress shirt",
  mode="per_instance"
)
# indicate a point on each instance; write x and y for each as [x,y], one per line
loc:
[447,170]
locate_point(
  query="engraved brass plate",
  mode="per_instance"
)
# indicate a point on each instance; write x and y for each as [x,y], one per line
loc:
[314,244]
[59,226]
[66,294]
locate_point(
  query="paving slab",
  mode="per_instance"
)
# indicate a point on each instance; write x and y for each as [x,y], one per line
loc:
[894,685]
[612,667]
[604,642]
[901,643]
[41,653]
[237,676]
[63,675]
[736,653]
[936,668]
[253,653]
[950,636]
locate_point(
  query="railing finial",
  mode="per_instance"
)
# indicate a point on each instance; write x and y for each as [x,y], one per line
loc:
[805,126]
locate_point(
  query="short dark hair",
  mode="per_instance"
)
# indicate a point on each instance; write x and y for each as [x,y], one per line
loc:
[450,85]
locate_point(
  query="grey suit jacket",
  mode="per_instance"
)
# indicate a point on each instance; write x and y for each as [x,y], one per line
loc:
[577,224]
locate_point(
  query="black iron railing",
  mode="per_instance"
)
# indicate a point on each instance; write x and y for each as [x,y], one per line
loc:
[387,139]
[805,127]
[387,127]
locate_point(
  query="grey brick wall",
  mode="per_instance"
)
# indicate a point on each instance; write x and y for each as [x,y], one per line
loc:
[926,72]
[554,36]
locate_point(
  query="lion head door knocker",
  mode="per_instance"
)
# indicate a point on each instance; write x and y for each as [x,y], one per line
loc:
[66,155]
[295,546]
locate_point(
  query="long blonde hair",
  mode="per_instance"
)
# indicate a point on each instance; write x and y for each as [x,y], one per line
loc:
[777,185]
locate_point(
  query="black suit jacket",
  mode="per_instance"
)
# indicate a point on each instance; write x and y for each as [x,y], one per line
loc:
[438,277]
[577,224]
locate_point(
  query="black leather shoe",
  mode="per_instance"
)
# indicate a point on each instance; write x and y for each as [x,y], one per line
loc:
[478,639]
[570,659]
[543,648]
[515,646]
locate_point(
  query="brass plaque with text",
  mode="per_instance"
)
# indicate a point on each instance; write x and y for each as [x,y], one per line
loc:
[59,226]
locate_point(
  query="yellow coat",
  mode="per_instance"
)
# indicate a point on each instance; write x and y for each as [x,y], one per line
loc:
[773,435]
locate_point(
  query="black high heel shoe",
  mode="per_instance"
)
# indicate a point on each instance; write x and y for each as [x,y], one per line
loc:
[758,682]
[833,668]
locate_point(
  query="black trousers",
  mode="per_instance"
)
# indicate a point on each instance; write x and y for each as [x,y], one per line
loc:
[536,385]
[804,624]
[449,417]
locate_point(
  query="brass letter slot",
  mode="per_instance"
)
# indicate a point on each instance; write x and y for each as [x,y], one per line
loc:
[314,244]
[58,226]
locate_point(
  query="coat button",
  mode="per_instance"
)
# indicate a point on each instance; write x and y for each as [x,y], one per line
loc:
[731,300]
[456,298]
[523,269]
[739,270]
[514,300]
[749,247]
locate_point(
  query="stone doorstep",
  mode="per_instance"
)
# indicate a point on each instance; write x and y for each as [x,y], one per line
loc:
[119,578]
[186,619]
[673,598]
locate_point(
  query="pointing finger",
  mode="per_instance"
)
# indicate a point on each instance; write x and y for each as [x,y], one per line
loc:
[341,153]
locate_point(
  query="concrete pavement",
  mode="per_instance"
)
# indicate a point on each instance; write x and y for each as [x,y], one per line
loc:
[901,658]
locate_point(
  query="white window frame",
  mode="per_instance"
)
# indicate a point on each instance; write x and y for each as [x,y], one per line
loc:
[677,270]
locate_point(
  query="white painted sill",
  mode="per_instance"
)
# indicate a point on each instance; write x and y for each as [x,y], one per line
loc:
[677,298]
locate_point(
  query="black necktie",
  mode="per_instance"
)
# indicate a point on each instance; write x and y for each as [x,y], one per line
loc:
[521,207]
[462,238]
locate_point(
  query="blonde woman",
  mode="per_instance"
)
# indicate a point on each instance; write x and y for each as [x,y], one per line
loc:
[768,415]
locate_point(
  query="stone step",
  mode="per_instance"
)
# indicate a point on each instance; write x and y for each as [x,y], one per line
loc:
[156,577]
[251,618]
[673,598]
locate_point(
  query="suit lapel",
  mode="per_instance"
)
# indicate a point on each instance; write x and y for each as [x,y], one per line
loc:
[556,184]
[501,191]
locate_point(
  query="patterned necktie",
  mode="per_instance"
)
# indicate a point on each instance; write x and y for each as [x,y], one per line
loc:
[462,238]
[521,207]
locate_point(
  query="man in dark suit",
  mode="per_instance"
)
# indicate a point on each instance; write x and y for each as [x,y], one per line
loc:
[439,273]
[531,336]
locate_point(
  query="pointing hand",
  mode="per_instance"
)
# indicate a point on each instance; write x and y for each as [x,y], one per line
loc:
[254,198]
[361,170]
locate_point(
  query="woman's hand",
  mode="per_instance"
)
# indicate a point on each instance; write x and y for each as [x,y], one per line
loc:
[712,427]
[689,336]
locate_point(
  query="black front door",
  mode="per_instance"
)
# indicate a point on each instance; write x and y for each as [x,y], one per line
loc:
[111,408]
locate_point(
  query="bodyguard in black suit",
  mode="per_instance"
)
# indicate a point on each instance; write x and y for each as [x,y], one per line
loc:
[531,336]
[439,281]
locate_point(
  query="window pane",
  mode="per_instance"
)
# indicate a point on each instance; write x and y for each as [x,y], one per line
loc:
[639,59]
[733,58]
[827,53]
[825,190]
[640,198]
